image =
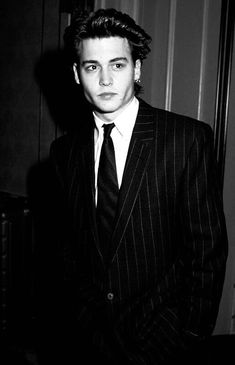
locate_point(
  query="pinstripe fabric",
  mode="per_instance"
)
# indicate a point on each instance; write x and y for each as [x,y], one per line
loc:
[169,246]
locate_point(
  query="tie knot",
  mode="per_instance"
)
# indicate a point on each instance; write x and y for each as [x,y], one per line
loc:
[107,129]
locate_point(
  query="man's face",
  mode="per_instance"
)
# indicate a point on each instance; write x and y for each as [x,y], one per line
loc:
[107,74]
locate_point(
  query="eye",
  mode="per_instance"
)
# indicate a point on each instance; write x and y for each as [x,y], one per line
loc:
[118,66]
[91,68]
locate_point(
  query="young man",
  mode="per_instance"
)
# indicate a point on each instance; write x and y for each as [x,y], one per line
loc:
[144,270]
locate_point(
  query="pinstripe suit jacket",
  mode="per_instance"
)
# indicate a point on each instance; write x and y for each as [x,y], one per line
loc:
[160,289]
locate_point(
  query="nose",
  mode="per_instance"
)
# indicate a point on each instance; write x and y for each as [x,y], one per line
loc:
[105,78]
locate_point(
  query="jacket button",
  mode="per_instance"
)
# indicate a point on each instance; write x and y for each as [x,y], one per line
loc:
[110,296]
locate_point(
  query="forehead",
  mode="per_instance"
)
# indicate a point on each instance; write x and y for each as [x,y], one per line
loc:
[104,49]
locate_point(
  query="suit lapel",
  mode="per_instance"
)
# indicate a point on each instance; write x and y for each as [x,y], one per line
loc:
[136,164]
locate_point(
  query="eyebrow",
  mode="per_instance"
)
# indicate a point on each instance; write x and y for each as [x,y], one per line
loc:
[117,59]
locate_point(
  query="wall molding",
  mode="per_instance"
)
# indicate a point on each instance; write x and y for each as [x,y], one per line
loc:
[170,54]
[203,59]
[223,83]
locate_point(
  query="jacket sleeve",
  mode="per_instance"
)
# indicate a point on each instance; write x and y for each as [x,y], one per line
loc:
[205,238]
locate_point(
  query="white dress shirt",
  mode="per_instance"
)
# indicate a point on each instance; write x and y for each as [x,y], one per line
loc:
[121,136]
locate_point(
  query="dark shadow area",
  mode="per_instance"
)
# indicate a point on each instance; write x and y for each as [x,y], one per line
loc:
[65,99]
[37,331]
[69,111]
[48,263]
[216,350]
[16,278]
[31,296]
[220,349]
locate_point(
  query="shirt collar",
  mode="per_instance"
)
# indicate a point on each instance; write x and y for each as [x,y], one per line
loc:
[129,114]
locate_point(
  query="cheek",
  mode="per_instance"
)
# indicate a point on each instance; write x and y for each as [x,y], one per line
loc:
[89,95]
[126,81]
[128,84]
[87,81]
[89,88]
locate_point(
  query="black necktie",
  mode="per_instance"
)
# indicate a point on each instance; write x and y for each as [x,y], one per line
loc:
[107,186]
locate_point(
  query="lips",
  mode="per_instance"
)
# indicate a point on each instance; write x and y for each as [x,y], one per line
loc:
[107,95]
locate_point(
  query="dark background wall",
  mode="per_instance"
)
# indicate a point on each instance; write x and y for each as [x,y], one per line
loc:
[20,37]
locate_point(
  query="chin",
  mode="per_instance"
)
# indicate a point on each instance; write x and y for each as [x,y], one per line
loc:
[107,108]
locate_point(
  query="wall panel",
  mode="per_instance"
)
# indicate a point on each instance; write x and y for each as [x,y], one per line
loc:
[186,72]
[20,38]
[207,110]
[50,44]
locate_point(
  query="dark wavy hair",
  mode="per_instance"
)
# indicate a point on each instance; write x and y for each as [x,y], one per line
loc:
[106,23]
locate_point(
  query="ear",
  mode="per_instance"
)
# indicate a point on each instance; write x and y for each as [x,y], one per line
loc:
[137,71]
[75,71]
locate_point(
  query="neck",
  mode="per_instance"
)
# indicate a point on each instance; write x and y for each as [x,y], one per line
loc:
[110,117]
